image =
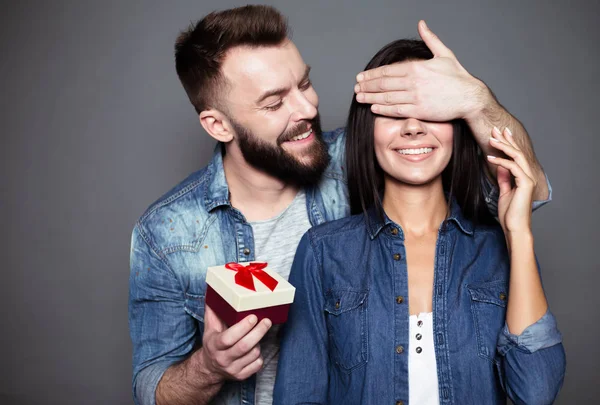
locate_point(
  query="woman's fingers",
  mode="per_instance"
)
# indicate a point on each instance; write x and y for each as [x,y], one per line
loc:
[521,178]
[503,177]
[505,143]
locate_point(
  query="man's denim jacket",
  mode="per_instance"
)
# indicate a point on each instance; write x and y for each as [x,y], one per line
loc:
[188,229]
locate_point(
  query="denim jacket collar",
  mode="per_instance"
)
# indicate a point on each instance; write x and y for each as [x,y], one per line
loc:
[216,189]
[375,223]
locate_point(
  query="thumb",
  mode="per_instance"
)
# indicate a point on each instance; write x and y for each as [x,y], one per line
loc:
[435,45]
[503,177]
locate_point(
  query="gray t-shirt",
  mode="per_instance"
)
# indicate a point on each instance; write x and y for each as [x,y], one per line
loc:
[275,242]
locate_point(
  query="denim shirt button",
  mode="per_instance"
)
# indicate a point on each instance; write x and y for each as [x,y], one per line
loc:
[246,251]
[399,402]
[394,231]
[399,299]
[399,349]
[397,256]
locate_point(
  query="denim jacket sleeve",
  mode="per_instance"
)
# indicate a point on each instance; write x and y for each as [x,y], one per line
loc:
[303,378]
[533,364]
[161,331]
[491,194]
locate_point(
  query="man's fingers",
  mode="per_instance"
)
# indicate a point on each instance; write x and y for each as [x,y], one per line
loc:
[382,84]
[251,339]
[395,111]
[250,369]
[435,45]
[230,337]
[393,70]
[239,364]
[387,98]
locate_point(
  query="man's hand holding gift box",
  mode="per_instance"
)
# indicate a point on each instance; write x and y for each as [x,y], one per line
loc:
[237,290]
[234,352]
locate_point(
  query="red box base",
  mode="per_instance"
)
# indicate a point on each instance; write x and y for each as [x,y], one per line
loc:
[277,314]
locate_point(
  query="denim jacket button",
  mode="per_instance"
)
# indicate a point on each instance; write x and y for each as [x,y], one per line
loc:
[396,256]
[399,349]
[246,251]
[399,299]
[399,402]
[394,231]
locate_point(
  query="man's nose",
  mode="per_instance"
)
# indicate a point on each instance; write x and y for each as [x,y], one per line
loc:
[413,127]
[303,107]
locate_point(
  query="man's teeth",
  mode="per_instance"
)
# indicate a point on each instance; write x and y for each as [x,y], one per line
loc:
[419,151]
[301,136]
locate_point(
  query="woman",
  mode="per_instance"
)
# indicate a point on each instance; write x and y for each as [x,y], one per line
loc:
[416,299]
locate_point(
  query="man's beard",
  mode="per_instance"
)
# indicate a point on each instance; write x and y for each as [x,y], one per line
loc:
[277,162]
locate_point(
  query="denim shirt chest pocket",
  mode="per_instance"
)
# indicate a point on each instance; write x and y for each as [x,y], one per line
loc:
[346,318]
[488,306]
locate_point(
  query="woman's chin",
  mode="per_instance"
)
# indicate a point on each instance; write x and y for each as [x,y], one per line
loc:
[414,180]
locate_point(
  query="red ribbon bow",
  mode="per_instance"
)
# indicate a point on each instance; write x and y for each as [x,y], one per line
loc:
[245,273]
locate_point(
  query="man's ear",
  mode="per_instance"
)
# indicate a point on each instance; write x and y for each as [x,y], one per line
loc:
[217,125]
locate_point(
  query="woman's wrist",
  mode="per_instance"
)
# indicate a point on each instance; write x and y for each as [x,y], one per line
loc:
[519,239]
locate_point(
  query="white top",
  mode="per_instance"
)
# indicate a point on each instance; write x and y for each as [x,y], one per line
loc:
[422,369]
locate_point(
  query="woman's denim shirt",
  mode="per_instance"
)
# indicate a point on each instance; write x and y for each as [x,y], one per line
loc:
[347,337]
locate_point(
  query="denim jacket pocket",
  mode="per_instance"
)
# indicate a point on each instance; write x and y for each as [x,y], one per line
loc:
[488,305]
[346,316]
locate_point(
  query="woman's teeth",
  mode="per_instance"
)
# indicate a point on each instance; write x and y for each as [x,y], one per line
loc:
[419,151]
[302,136]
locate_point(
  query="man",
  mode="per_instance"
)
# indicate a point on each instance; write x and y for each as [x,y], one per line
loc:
[273,175]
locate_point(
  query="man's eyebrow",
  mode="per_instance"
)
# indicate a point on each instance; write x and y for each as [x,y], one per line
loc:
[274,92]
[282,90]
[305,76]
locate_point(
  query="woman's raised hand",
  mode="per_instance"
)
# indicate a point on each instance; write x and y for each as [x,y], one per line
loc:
[514,202]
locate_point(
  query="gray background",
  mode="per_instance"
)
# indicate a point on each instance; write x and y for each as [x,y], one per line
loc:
[95,126]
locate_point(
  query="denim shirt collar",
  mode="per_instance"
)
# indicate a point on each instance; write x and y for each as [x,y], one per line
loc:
[216,191]
[375,224]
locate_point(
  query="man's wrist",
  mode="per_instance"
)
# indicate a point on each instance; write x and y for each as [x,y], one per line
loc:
[483,103]
[200,364]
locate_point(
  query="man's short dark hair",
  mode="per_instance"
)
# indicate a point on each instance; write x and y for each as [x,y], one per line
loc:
[200,50]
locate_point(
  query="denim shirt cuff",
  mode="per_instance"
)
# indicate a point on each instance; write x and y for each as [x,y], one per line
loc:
[540,335]
[147,381]
[538,204]
[492,194]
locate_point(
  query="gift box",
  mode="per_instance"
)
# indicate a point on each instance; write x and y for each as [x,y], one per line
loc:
[236,290]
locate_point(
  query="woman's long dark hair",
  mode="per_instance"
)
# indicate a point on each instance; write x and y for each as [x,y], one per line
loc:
[461,178]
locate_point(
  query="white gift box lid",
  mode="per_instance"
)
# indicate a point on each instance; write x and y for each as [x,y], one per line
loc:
[222,280]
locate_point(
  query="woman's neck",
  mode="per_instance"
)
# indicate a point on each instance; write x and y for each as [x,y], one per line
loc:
[419,210]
